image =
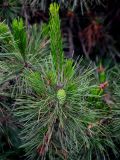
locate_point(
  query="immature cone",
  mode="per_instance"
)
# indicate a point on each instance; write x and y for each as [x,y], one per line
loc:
[61,95]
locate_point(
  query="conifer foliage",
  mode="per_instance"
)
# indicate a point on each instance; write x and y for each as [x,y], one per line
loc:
[63,110]
[51,114]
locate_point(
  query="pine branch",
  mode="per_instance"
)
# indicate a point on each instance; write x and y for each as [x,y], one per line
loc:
[55,38]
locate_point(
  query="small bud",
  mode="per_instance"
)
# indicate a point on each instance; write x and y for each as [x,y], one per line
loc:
[103,85]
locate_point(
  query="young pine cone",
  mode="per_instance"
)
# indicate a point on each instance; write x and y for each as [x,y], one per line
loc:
[61,96]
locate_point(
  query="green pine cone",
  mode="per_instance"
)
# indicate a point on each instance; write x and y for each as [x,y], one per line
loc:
[61,95]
